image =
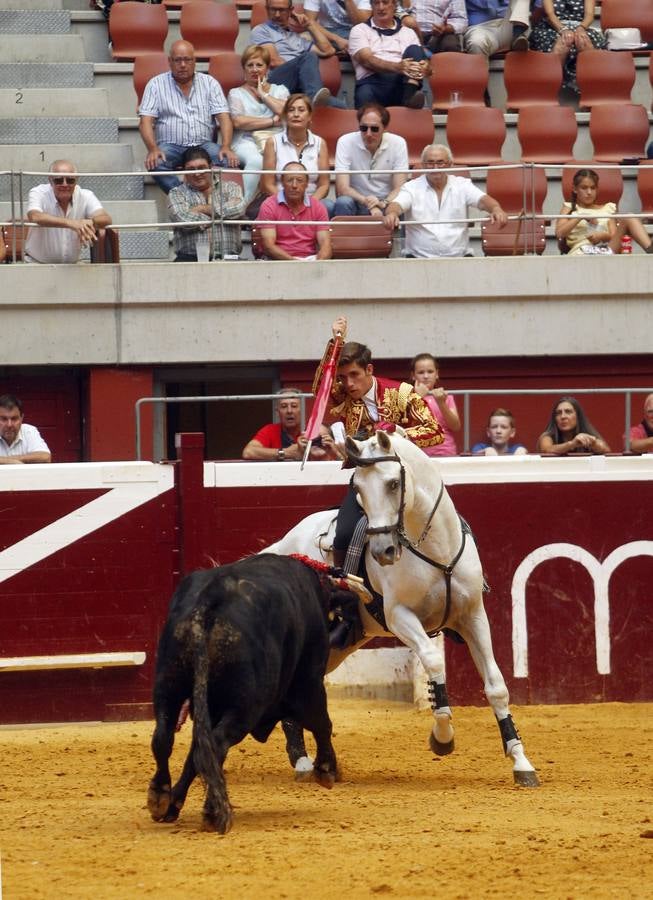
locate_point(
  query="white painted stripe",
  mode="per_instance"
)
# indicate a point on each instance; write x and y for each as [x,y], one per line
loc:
[71,661]
[117,502]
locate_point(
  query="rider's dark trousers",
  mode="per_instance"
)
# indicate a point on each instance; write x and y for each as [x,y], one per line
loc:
[348,515]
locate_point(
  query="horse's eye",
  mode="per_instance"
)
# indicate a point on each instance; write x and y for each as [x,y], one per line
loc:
[393,485]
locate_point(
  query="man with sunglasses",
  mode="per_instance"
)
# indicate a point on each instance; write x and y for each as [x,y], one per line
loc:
[68,217]
[383,156]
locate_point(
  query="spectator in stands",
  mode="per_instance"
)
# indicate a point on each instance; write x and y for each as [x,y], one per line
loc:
[288,239]
[19,443]
[566,29]
[337,18]
[180,109]
[590,231]
[425,374]
[256,109]
[570,431]
[442,24]
[297,143]
[294,56]
[500,431]
[389,61]
[641,436]
[203,198]
[69,217]
[372,148]
[496,26]
[433,200]
[284,440]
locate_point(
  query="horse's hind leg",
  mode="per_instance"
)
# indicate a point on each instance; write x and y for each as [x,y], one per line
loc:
[296,750]
[407,627]
[479,640]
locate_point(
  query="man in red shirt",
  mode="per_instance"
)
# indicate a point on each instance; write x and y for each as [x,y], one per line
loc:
[292,206]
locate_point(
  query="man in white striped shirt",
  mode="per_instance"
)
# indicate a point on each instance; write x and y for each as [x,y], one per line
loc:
[180,109]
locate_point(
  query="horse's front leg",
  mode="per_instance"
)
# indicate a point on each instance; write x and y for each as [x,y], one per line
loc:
[479,640]
[407,627]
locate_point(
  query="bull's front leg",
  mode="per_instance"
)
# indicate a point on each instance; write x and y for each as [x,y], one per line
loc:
[316,720]
[407,627]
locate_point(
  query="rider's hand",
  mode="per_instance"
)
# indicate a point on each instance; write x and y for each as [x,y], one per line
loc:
[339,327]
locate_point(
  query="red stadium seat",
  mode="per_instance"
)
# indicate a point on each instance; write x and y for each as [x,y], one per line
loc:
[519,191]
[532,79]
[547,136]
[645,185]
[226,68]
[475,135]
[619,131]
[137,28]
[360,237]
[146,67]
[415,126]
[210,27]
[466,73]
[330,123]
[605,77]
[628,14]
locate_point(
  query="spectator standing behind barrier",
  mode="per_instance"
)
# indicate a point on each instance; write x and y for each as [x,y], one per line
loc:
[19,443]
[442,24]
[256,109]
[570,431]
[289,239]
[294,58]
[389,61]
[68,217]
[283,440]
[337,18]
[641,436]
[435,197]
[297,143]
[500,431]
[424,373]
[565,29]
[203,198]
[496,26]
[590,232]
[180,109]
[374,149]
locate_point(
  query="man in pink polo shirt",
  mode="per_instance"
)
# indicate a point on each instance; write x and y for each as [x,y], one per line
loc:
[289,239]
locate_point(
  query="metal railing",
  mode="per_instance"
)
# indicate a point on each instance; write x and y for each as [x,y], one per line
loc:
[628,393]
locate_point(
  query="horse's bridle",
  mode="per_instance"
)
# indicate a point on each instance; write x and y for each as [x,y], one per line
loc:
[399,530]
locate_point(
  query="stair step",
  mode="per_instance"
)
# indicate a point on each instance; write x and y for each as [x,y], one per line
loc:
[58,130]
[29,102]
[34,21]
[23,76]
[50,48]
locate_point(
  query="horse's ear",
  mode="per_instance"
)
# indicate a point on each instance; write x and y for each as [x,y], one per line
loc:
[383,441]
[351,446]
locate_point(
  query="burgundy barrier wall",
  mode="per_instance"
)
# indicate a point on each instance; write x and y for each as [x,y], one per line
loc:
[88,565]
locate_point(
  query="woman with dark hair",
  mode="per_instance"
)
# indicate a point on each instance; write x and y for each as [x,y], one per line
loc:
[570,431]
[591,230]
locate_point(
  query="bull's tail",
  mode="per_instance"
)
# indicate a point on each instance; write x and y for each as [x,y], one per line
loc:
[207,756]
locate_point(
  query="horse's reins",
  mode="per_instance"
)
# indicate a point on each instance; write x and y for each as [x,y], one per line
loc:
[403,538]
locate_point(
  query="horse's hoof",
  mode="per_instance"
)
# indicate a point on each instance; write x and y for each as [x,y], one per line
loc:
[172,813]
[325,779]
[526,779]
[158,801]
[219,822]
[440,749]
[304,769]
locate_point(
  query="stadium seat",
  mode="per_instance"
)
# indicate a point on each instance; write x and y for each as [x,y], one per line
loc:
[518,190]
[226,68]
[475,135]
[330,123]
[415,126]
[630,14]
[331,74]
[547,136]
[210,27]
[137,28]
[645,185]
[650,74]
[177,4]
[532,79]
[466,73]
[619,131]
[361,237]
[9,234]
[611,183]
[146,67]
[605,77]
[107,247]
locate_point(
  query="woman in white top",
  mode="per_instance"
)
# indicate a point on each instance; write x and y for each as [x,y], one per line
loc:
[296,143]
[256,109]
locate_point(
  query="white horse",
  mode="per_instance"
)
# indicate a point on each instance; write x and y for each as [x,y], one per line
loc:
[425,564]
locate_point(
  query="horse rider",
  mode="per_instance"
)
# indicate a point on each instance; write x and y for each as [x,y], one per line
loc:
[365,403]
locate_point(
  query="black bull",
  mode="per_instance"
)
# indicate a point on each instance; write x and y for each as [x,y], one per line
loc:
[248,643]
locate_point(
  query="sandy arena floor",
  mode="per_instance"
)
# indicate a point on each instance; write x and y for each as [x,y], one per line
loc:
[73,820]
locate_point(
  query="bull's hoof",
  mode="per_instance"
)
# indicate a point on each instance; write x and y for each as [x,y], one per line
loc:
[440,749]
[526,779]
[325,779]
[219,822]
[158,801]
[304,769]
[172,813]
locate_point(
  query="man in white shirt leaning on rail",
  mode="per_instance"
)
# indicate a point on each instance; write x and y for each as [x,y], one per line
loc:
[434,199]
